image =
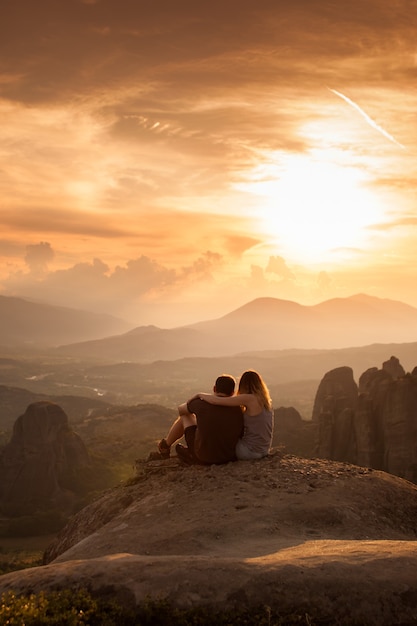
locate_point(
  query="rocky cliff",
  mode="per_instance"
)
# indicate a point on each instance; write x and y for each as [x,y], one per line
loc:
[38,466]
[372,424]
[318,541]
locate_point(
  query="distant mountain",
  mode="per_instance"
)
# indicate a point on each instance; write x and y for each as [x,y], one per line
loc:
[269,323]
[142,344]
[24,323]
[264,324]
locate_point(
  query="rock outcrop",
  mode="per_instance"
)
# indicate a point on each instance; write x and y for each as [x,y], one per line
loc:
[394,368]
[373,424]
[295,435]
[39,464]
[333,411]
[309,538]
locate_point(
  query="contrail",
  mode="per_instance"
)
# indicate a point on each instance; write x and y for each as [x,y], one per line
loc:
[369,120]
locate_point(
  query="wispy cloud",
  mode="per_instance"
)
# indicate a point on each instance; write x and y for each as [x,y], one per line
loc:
[141,147]
[368,119]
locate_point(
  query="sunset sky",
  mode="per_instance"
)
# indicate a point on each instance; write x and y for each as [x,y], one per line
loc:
[168,161]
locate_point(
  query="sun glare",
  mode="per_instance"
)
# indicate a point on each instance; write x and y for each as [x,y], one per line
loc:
[315,210]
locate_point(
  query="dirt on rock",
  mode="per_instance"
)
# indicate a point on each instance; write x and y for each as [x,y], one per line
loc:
[330,540]
[248,508]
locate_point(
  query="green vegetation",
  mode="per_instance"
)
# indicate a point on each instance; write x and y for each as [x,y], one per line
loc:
[86,483]
[80,607]
[69,608]
[12,561]
[83,481]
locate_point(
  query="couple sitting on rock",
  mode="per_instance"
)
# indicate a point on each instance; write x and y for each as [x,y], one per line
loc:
[223,427]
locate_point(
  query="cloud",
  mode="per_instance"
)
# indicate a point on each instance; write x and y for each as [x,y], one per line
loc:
[49,221]
[38,256]
[132,144]
[186,46]
[94,286]
[276,279]
[277,265]
[324,281]
[395,222]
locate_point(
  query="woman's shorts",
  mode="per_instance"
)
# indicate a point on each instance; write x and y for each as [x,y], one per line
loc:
[244,454]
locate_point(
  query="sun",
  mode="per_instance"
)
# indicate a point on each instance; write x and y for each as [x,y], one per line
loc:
[314,209]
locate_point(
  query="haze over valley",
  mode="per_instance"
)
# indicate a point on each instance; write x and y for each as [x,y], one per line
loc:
[261,324]
[292,345]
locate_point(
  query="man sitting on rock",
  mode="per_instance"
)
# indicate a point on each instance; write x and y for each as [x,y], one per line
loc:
[211,431]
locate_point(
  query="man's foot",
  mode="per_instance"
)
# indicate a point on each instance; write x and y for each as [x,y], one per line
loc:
[156,456]
[184,454]
[163,452]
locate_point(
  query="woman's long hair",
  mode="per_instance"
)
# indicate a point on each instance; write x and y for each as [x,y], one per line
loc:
[251,382]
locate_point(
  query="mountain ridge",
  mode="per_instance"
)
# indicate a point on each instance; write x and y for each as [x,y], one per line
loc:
[265,324]
[27,323]
[261,324]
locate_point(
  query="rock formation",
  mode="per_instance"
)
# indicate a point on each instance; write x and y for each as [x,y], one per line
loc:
[373,424]
[394,368]
[333,411]
[295,435]
[38,466]
[312,539]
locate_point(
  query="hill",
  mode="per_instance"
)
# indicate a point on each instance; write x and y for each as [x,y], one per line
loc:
[263,324]
[328,542]
[24,323]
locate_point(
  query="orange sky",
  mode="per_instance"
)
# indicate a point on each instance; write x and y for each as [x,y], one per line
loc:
[167,162]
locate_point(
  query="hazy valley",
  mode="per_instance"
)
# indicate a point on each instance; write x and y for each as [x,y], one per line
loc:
[291,345]
[77,421]
[272,336]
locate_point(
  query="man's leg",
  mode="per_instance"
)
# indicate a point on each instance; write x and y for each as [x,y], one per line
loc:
[176,431]
[184,419]
[189,424]
[187,454]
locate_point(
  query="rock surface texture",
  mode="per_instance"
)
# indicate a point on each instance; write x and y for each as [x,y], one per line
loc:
[37,465]
[372,424]
[316,538]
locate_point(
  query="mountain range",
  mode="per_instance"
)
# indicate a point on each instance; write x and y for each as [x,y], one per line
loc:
[260,325]
[263,324]
[28,324]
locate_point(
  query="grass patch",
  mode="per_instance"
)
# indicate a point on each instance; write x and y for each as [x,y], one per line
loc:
[80,607]
[21,553]
[10,562]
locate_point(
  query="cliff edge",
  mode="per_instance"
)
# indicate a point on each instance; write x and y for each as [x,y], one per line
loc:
[330,540]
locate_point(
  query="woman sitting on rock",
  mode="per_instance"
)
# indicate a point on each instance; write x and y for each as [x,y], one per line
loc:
[253,396]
